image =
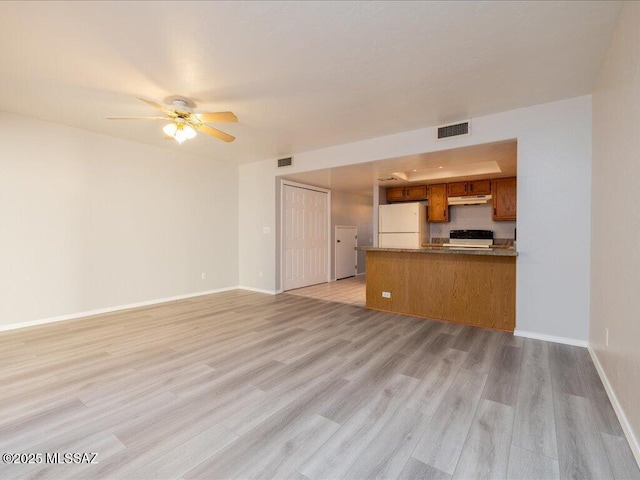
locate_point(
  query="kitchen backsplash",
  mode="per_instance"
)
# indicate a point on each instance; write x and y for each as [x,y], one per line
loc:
[472,217]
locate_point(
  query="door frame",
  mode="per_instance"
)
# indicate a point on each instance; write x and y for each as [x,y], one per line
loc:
[335,251]
[281,234]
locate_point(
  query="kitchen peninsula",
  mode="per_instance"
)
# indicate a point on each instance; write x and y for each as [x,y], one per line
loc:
[475,287]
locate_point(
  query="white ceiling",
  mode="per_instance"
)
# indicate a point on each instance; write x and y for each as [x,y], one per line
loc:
[489,160]
[299,75]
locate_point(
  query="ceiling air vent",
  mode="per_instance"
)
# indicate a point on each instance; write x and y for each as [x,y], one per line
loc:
[453,130]
[285,162]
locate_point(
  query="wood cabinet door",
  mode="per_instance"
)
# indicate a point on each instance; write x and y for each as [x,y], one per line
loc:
[418,192]
[438,207]
[504,199]
[458,189]
[395,194]
[480,187]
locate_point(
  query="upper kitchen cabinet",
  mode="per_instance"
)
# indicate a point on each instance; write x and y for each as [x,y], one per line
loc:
[438,207]
[458,189]
[395,194]
[475,187]
[418,192]
[480,187]
[504,198]
[402,194]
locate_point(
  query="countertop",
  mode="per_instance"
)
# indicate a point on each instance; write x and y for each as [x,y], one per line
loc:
[496,251]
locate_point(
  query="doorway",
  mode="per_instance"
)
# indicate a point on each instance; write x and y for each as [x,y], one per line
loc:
[305,235]
[346,258]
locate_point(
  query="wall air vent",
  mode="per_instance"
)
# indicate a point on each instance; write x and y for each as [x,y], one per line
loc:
[386,179]
[453,130]
[285,162]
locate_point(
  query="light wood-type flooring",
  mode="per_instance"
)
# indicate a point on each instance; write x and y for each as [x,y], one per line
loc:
[352,290]
[247,385]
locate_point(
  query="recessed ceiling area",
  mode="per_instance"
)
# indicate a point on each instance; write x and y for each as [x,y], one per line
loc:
[299,75]
[476,162]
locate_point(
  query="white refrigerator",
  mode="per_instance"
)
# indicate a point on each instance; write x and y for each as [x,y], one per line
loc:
[402,225]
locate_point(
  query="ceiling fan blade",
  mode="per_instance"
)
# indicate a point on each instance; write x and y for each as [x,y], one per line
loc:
[216,133]
[164,110]
[217,117]
[138,118]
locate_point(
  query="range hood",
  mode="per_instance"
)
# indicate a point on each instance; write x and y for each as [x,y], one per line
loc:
[469,200]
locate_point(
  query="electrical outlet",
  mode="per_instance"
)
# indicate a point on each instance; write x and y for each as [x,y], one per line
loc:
[386,294]
[266,230]
[606,337]
[260,274]
[204,275]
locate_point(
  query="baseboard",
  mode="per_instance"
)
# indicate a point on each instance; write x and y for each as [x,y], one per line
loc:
[624,422]
[258,290]
[99,311]
[360,274]
[551,338]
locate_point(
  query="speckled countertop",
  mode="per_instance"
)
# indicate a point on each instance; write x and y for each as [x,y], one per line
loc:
[499,251]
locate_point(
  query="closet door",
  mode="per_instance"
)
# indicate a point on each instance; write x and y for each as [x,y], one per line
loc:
[306,237]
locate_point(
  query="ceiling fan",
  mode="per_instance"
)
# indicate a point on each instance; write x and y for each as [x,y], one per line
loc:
[184,122]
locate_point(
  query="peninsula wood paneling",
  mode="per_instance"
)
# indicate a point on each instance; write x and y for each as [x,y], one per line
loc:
[472,289]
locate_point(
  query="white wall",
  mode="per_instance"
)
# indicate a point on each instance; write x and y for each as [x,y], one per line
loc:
[554,178]
[352,209]
[90,222]
[615,268]
[472,217]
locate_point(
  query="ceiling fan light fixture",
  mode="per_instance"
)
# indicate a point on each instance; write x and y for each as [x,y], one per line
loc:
[189,132]
[170,129]
[184,123]
[179,131]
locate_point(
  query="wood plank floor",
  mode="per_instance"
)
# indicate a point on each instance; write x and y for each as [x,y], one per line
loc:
[246,385]
[352,290]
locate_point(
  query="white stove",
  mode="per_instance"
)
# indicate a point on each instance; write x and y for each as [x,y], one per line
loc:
[469,239]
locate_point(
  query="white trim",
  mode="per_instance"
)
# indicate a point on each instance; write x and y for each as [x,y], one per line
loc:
[624,422]
[305,186]
[361,273]
[259,290]
[99,311]
[551,338]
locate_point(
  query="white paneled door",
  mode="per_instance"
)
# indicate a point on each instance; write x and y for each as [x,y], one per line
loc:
[346,255]
[305,237]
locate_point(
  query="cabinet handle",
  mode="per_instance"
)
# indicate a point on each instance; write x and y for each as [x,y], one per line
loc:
[495,211]
[471,187]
